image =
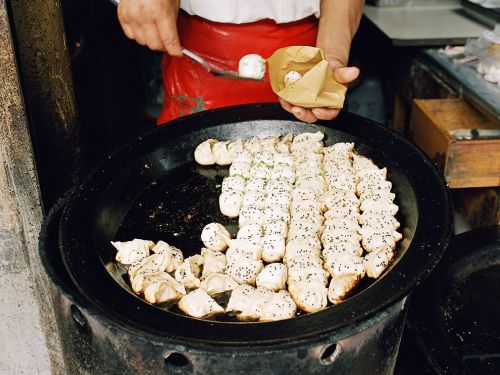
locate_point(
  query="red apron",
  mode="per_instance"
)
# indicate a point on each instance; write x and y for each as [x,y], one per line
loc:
[190,88]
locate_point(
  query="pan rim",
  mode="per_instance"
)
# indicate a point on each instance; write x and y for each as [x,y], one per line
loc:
[310,325]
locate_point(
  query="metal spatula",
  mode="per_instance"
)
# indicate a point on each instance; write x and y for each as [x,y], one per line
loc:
[206,65]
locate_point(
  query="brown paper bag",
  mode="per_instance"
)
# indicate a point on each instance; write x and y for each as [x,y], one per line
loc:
[316,87]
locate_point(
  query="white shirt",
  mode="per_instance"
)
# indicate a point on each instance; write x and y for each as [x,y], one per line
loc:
[245,11]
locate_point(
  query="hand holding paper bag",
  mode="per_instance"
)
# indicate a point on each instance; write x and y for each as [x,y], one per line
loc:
[316,87]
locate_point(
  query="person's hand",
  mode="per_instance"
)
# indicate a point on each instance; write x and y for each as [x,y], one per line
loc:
[151,23]
[341,74]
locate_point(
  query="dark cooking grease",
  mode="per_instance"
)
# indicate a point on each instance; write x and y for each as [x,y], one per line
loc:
[175,209]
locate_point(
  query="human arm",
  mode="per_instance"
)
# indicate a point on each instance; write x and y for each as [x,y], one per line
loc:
[339,21]
[151,23]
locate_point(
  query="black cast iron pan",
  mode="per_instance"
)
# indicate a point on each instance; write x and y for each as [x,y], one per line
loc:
[454,315]
[153,189]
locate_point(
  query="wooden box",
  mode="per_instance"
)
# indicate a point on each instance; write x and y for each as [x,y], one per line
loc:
[465,162]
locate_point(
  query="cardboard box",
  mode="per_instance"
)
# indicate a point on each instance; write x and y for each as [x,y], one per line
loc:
[465,162]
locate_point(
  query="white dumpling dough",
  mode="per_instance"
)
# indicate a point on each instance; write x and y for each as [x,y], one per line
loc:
[376,262]
[222,156]
[340,264]
[230,203]
[189,271]
[279,306]
[272,277]
[310,296]
[203,154]
[199,304]
[152,264]
[273,247]
[130,252]
[218,283]
[215,237]
[291,77]
[163,288]
[231,183]
[213,262]
[244,270]
[252,66]
[340,286]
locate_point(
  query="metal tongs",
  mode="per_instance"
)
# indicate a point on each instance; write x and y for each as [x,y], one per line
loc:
[206,65]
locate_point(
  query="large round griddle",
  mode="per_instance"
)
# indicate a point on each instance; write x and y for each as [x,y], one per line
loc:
[454,316]
[153,189]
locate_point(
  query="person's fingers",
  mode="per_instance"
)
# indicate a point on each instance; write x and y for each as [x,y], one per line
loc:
[286,106]
[345,74]
[152,37]
[124,19]
[304,114]
[167,30]
[325,113]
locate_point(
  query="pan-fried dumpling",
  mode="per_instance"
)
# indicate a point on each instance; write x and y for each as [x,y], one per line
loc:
[254,198]
[189,271]
[199,304]
[251,232]
[268,143]
[252,66]
[340,286]
[243,157]
[276,227]
[273,277]
[152,264]
[264,157]
[273,247]
[283,158]
[376,221]
[377,261]
[252,145]
[291,77]
[130,252]
[283,171]
[239,168]
[213,262]
[308,142]
[231,183]
[374,240]
[215,237]
[230,203]
[279,306]
[342,246]
[203,154]
[163,289]
[310,296]
[246,302]
[243,248]
[335,235]
[256,184]
[283,144]
[251,215]
[378,207]
[244,270]
[340,264]
[276,213]
[173,254]
[216,283]
[222,155]
[235,146]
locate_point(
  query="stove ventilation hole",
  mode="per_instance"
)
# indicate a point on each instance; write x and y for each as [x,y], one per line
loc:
[176,360]
[330,354]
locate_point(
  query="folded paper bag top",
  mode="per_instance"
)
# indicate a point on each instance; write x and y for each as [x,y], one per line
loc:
[316,87]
